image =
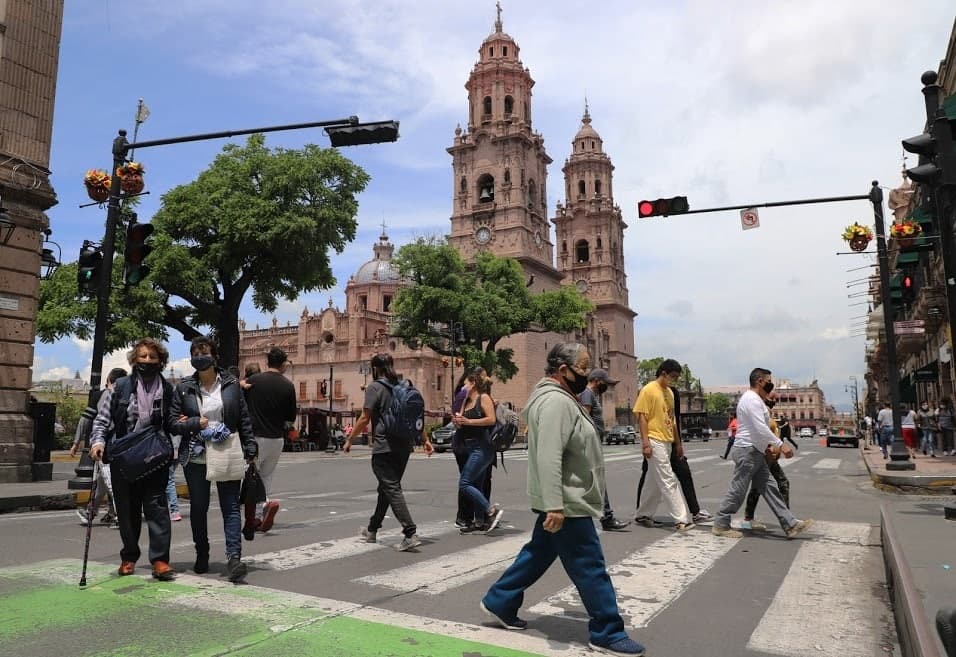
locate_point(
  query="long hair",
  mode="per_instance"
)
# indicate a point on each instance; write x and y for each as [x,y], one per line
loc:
[384,367]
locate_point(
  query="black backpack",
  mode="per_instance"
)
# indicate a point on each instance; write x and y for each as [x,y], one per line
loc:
[503,435]
[404,415]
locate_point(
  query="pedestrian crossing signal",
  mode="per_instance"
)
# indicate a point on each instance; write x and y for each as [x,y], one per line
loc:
[663,207]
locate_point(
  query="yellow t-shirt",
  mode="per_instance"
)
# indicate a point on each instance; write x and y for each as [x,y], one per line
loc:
[657,404]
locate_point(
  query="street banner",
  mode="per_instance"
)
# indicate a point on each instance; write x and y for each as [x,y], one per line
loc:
[142,112]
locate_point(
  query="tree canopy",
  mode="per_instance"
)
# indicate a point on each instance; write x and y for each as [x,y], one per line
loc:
[718,403]
[256,219]
[647,372]
[485,302]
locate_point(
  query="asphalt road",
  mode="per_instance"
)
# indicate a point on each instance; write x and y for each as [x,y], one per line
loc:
[315,590]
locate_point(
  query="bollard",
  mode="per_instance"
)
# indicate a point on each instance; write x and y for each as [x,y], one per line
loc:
[84,473]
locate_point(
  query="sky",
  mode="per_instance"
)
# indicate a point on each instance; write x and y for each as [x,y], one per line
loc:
[726,103]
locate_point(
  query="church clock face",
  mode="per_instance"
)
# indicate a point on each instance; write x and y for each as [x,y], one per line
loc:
[537,239]
[483,235]
[582,286]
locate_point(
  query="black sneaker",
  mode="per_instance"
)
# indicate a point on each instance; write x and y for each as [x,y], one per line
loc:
[473,528]
[236,570]
[612,524]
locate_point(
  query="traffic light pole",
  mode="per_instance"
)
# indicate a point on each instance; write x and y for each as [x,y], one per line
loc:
[385,131]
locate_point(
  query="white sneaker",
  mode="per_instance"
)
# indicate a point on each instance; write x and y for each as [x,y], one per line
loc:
[408,543]
[753,525]
[703,516]
[82,515]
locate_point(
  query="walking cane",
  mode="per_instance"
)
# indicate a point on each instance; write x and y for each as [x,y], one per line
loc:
[89,521]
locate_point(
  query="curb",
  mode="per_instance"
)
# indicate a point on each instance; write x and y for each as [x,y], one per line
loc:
[59,501]
[916,635]
[910,484]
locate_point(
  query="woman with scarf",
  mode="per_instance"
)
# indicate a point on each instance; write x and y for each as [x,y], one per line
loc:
[135,402]
[209,406]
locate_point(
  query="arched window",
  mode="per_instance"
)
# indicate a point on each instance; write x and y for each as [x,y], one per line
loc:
[532,192]
[486,106]
[581,188]
[597,187]
[582,253]
[507,176]
[463,187]
[486,188]
[599,243]
[509,104]
[491,51]
[564,246]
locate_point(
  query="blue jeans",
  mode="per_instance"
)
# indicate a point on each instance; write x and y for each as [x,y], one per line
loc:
[929,441]
[480,455]
[172,499]
[578,547]
[199,509]
[886,439]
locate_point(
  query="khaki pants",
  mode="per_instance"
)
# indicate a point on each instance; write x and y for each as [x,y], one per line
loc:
[661,483]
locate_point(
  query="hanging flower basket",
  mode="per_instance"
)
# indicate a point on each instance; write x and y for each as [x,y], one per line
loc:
[97,184]
[131,177]
[857,236]
[905,232]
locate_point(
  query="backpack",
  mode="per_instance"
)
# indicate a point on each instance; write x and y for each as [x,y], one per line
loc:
[504,431]
[404,416]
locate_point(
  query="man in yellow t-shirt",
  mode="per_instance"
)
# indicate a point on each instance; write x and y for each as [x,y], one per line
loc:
[655,414]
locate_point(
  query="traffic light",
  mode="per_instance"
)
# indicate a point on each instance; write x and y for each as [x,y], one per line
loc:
[936,148]
[363,133]
[909,292]
[136,251]
[88,268]
[663,207]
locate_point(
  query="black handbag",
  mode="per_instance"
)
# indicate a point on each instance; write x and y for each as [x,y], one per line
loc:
[140,453]
[252,490]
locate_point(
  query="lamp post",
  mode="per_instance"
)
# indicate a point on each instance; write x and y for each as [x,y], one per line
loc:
[365,369]
[856,401]
[453,328]
[342,132]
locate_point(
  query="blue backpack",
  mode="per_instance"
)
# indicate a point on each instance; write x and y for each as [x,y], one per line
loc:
[404,416]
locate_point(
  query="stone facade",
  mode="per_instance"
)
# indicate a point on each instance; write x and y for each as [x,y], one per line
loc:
[804,406]
[499,204]
[29,51]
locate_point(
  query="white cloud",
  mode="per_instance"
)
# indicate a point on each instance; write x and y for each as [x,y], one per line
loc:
[54,374]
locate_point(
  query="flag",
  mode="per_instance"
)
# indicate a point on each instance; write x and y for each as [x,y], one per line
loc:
[142,112]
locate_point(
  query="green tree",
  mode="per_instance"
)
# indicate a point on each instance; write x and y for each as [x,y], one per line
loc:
[647,372]
[718,403]
[68,411]
[256,218]
[490,299]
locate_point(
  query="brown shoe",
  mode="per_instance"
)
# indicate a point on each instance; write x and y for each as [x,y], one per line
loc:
[269,512]
[126,568]
[163,571]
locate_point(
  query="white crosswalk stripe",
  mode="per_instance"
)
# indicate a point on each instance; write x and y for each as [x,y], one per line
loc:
[827,464]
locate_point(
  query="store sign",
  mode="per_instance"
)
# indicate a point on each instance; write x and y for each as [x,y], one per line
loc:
[927,373]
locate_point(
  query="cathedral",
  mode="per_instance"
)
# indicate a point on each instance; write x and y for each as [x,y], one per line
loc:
[499,204]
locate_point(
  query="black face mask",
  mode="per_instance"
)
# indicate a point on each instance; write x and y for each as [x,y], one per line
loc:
[768,387]
[578,383]
[202,362]
[148,370]
[601,388]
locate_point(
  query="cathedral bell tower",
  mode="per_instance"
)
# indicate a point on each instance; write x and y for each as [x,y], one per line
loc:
[589,231]
[500,166]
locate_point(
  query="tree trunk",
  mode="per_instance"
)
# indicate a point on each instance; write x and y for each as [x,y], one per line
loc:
[227,332]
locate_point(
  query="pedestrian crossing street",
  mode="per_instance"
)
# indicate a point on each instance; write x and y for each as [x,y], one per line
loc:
[828,587]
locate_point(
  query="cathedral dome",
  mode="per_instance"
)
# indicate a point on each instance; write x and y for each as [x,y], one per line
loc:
[380,269]
[586,130]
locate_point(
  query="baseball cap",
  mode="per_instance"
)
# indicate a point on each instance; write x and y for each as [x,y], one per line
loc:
[597,374]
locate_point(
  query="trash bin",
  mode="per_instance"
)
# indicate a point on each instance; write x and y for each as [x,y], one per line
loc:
[44,418]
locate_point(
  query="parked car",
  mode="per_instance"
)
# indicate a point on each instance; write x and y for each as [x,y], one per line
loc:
[441,437]
[822,432]
[704,433]
[621,433]
[806,432]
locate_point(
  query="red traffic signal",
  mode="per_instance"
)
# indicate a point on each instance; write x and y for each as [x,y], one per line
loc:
[136,251]
[663,207]
[908,282]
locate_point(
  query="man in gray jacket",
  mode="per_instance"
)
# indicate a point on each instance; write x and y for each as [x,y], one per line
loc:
[566,487]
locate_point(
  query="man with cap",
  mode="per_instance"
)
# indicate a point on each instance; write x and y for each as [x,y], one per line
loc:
[590,399]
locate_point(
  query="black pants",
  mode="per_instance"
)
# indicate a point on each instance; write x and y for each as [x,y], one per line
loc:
[466,512]
[389,468]
[682,472]
[133,499]
[730,443]
[754,495]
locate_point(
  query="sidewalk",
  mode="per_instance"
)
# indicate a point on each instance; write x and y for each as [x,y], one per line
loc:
[54,495]
[917,545]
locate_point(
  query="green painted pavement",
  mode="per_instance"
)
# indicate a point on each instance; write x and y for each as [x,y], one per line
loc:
[44,612]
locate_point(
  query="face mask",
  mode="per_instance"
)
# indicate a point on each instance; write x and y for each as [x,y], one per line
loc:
[578,383]
[768,387]
[602,388]
[148,370]
[202,362]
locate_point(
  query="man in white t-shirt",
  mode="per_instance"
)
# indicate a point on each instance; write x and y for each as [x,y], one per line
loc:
[754,440]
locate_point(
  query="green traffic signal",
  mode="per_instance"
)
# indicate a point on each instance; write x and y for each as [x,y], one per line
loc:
[135,269]
[88,269]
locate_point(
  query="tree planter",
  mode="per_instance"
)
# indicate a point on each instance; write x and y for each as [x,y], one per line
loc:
[859,243]
[98,194]
[905,242]
[132,184]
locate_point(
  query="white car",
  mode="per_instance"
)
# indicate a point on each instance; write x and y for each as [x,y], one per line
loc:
[823,433]
[806,432]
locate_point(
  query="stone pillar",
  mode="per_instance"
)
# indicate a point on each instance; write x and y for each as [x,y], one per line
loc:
[29,51]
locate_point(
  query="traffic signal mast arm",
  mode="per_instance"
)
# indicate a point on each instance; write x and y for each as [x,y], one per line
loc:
[773,204]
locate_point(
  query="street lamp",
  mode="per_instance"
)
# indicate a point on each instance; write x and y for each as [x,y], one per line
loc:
[365,369]
[453,329]
[357,133]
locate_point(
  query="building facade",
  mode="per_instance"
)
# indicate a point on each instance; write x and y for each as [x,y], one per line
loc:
[499,204]
[803,406]
[29,54]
